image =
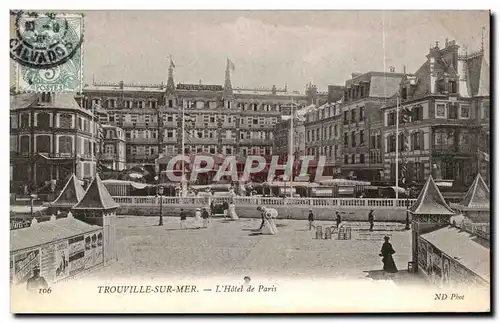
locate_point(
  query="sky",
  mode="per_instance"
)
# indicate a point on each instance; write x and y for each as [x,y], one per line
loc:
[268,47]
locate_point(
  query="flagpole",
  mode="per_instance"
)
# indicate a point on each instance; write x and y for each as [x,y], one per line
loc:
[397,148]
[183,190]
[93,142]
[290,153]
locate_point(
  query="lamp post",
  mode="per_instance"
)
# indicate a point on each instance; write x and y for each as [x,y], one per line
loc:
[53,187]
[407,224]
[160,193]
[32,197]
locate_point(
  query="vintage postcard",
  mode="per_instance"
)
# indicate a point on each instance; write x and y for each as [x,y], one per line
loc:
[250,161]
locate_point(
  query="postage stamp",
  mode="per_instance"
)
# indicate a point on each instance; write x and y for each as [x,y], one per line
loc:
[48,50]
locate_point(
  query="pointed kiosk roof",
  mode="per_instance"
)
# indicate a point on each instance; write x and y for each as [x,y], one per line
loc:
[477,197]
[431,201]
[97,197]
[71,194]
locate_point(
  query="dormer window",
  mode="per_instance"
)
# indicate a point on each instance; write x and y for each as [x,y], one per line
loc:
[45,97]
[452,87]
[404,93]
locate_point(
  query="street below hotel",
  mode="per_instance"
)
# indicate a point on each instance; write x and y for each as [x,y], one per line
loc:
[234,248]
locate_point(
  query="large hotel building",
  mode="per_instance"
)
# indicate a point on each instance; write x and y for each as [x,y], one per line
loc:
[226,120]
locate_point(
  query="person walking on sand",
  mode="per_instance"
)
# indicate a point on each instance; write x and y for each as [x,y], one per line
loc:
[338,220]
[197,218]
[269,224]
[205,215]
[262,210]
[311,219]
[232,211]
[371,219]
[386,253]
[183,219]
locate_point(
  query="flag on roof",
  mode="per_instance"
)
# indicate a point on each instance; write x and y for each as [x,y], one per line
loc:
[230,65]
[172,62]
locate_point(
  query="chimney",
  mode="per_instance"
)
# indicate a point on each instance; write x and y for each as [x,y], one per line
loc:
[432,61]
[463,88]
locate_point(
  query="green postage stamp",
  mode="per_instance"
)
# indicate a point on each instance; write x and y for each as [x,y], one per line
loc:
[47,49]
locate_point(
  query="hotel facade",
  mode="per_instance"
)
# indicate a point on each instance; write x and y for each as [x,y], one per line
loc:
[225,120]
[447,129]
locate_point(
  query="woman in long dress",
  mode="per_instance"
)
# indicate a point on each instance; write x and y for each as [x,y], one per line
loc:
[269,226]
[232,211]
[198,221]
[386,253]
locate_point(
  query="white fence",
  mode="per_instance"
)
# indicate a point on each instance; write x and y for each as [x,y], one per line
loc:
[270,201]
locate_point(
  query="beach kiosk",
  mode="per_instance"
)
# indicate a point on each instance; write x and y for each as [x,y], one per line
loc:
[428,213]
[444,254]
[476,203]
[98,207]
[71,194]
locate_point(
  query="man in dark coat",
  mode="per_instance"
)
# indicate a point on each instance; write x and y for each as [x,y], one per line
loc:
[311,219]
[339,219]
[225,208]
[36,282]
[371,219]
[205,215]
[386,253]
[183,219]
[262,215]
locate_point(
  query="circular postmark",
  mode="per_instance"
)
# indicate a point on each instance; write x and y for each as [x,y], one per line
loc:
[45,41]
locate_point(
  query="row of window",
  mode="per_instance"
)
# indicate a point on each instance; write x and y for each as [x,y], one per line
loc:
[323,133]
[406,116]
[353,159]
[320,114]
[127,103]
[414,141]
[357,91]
[44,120]
[111,149]
[43,144]
[357,139]
[356,114]
[201,118]
[328,151]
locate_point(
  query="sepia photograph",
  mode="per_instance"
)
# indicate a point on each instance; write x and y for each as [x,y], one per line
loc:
[250,161]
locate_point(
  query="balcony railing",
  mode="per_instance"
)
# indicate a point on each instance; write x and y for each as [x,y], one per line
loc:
[272,201]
